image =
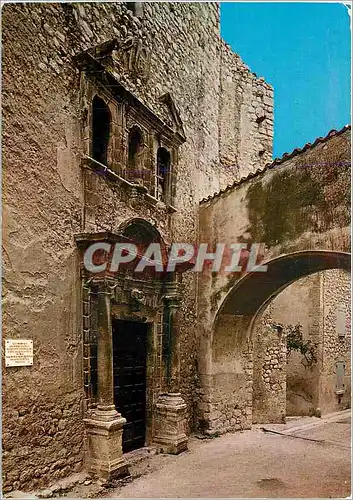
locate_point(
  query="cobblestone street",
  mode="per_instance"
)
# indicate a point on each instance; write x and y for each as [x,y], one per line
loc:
[313,460]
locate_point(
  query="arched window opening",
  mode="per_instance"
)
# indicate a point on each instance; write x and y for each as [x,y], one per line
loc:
[134,151]
[100,130]
[163,170]
[141,233]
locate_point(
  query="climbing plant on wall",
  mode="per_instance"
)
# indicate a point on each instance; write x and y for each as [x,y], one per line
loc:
[295,342]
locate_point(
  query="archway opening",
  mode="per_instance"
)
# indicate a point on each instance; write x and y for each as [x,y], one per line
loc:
[299,339]
[135,148]
[230,373]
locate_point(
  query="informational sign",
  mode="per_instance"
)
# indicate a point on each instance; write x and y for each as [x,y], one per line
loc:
[18,352]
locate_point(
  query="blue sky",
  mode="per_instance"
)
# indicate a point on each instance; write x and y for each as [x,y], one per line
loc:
[303,51]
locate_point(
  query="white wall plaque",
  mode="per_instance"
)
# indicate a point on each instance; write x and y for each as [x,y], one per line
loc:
[341,320]
[18,352]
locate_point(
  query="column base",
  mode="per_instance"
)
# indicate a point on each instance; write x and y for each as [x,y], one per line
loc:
[170,424]
[104,454]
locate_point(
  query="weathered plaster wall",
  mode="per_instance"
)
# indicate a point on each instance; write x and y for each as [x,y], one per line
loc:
[46,200]
[302,303]
[42,204]
[231,378]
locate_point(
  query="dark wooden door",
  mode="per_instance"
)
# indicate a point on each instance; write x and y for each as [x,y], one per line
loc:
[129,361]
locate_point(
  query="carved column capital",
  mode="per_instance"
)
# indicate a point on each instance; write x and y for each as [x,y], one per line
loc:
[172,301]
[105,287]
[171,294]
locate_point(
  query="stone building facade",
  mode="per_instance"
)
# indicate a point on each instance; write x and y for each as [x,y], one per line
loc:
[162,87]
[119,118]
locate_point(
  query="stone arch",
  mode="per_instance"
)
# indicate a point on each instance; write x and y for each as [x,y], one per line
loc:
[255,289]
[228,372]
[142,229]
[142,233]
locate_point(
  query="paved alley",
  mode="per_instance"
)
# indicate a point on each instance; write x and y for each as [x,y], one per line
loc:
[312,460]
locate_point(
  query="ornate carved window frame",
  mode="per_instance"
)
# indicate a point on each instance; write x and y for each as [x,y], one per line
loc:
[99,78]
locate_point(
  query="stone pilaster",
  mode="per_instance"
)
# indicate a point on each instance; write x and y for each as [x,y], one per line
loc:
[170,423]
[104,427]
[170,407]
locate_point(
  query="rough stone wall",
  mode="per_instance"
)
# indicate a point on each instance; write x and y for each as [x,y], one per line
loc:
[44,437]
[245,116]
[269,373]
[300,389]
[336,292]
[45,196]
[295,386]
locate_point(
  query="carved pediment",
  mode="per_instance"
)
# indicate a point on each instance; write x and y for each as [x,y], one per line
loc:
[128,55]
[118,61]
[171,115]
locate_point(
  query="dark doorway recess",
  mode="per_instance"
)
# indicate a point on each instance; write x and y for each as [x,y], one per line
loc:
[129,361]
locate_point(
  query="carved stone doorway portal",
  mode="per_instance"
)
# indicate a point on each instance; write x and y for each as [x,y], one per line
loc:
[131,357]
